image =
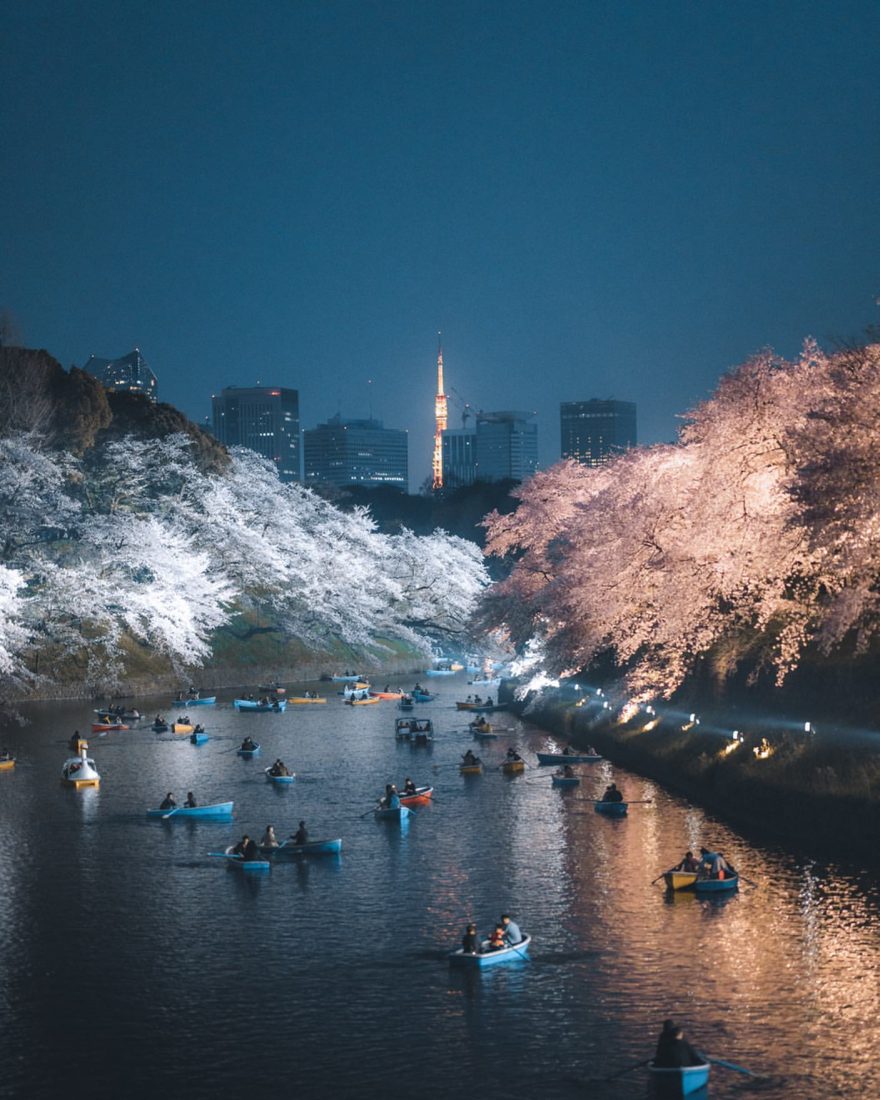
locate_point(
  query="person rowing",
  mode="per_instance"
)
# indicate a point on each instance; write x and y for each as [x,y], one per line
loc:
[470,943]
[469,759]
[689,863]
[248,745]
[279,768]
[246,849]
[301,836]
[391,801]
[714,865]
[513,757]
[190,803]
[673,1050]
[409,787]
[511,930]
[612,794]
[168,802]
[567,772]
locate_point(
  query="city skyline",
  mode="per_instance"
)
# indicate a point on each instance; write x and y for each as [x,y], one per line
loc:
[617,202]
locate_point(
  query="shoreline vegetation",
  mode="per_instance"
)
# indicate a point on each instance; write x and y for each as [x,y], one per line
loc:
[776,779]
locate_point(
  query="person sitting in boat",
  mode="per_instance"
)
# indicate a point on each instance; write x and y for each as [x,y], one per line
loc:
[469,759]
[199,728]
[591,751]
[513,756]
[496,939]
[279,768]
[190,803]
[246,848]
[480,723]
[510,930]
[168,802]
[478,701]
[269,840]
[301,836]
[419,687]
[673,1050]
[714,865]
[249,744]
[612,794]
[391,801]
[488,702]
[409,787]
[5,754]
[689,863]
[567,772]
[470,942]
[568,751]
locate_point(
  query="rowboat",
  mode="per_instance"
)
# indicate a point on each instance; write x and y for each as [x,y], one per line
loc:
[310,848]
[118,715]
[348,679]
[107,727]
[198,738]
[302,700]
[271,689]
[569,758]
[470,769]
[485,708]
[680,880]
[423,696]
[387,694]
[485,683]
[279,778]
[564,781]
[421,797]
[513,767]
[80,771]
[717,885]
[485,733]
[612,809]
[248,753]
[196,701]
[249,866]
[8,764]
[255,704]
[679,1080]
[182,727]
[215,810]
[353,702]
[439,672]
[401,814]
[159,727]
[406,703]
[423,734]
[485,957]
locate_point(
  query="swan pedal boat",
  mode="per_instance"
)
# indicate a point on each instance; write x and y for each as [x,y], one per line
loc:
[679,1080]
[255,704]
[612,809]
[80,771]
[484,957]
[310,848]
[216,810]
[248,866]
[421,797]
[279,778]
[571,758]
[382,813]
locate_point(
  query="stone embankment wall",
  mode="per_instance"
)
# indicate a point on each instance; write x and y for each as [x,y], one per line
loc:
[821,792]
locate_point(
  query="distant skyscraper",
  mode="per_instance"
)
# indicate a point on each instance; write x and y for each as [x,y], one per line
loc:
[594,431]
[440,421]
[356,452]
[506,446]
[265,419]
[459,457]
[130,374]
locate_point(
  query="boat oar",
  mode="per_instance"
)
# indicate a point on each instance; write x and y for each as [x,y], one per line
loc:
[729,1065]
[170,814]
[657,879]
[629,1069]
[748,881]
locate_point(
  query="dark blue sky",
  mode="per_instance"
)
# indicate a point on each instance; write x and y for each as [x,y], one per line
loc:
[589,199]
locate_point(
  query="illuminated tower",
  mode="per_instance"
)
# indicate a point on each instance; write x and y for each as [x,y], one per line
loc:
[439,420]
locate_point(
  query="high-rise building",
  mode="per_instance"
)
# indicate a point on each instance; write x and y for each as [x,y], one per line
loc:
[506,446]
[129,374]
[459,457]
[356,452]
[263,418]
[594,431]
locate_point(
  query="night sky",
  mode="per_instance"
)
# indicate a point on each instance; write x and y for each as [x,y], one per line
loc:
[590,199]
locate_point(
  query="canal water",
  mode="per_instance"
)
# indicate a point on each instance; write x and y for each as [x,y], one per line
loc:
[132,964]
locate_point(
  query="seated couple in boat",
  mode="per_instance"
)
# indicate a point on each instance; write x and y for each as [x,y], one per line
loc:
[168,802]
[184,721]
[673,1050]
[566,772]
[612,794]
[246,848]
[278,768]
[480,723]
[513,756]
[470,759]
[506,933]
[714,865]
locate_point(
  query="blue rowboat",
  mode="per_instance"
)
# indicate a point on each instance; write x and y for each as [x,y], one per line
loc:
[562,758]
[215,810]
[565,781]
[279,778]
[352,679]
[159,727]
[679,1080]
[717,885]
[400,814]
[198,738]
[248,754]
[254,704]
[423,696]
[204,702]
[310,848]
[612,809]
[248,866]
[485,957]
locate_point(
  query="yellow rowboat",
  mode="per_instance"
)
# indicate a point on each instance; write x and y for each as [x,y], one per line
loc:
[470,769]
[513,767]
[680,880]
[7,765]
[302,700]
[363,702]
[182,727]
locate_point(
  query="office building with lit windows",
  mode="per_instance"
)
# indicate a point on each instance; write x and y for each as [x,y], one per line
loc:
[595,431]
[263,418]
[129,374]
[459,457]
[506,446]
[356,452]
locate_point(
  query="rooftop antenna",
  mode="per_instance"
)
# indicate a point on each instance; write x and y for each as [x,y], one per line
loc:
[370,395]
